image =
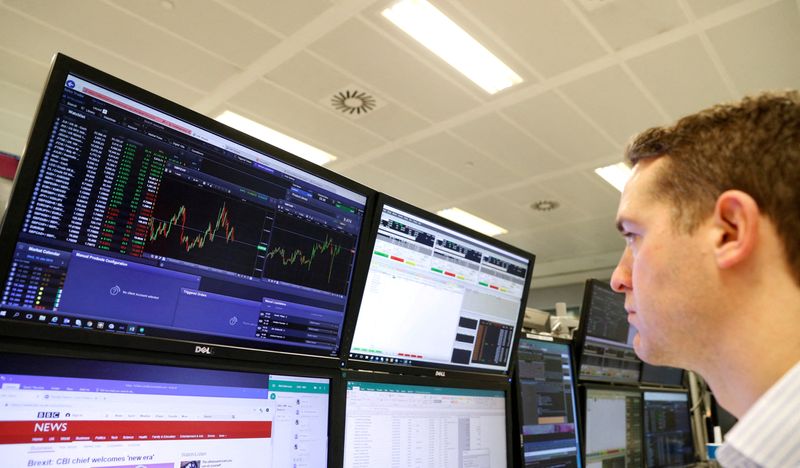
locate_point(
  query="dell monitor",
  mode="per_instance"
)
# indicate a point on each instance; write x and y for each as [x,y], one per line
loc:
[613,422]
[668,438]
[438,296]
[139,223]
[89,414]
[605,338]
[391,421]
[546,404]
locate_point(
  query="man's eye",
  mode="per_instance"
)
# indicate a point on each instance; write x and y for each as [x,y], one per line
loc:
[629,237]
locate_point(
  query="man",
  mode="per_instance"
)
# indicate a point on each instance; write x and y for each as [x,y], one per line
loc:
[711,267]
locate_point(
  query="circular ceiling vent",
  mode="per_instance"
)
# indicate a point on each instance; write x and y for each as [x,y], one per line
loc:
[545,205]
[353,102]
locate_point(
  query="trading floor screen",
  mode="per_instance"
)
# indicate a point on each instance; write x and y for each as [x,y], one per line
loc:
[667,429]
[438,297]
[92,414]
[613,428]
[144,224]
[549,424]
[426,427]
[607,353]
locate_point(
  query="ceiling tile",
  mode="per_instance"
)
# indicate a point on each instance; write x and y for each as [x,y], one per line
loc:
[754,48]
[508,146]
[18,100]
[523,197]
[12,143]
[129,38]
[586,191]
[22,72]
[303,74]
[392,122]
[557,125]
[531,28]
[621,108]
[460,158]
[388,68]
[417,170]
[14,123]
[626,22]
[306,122]
[209,25]
[285,17]
[550,244]
[600,234]
[40,43]
[681,76]
[307,76]
[496,210]
[702,8]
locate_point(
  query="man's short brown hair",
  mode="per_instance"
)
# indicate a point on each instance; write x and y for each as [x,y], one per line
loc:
[752,145]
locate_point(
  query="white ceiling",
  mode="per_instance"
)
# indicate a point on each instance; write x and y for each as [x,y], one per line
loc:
[595,71]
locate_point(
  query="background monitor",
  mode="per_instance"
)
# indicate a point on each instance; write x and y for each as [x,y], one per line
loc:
[137,217]
[662,375]
[667,429]
[389,423]
[546,404]
[439,295]
[613,427]
[101,413]
[605,337]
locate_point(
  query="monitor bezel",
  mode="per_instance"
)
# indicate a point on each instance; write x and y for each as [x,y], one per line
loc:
[28,349]
[683,391]
[430,369]
[22,190]
[503,385]
[517,396]
[654,384]
[581,332]
[585,387]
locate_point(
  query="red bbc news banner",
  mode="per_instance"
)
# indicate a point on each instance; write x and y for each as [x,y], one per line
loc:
[25,432]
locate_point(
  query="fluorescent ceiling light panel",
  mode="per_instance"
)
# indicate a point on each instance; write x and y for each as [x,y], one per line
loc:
[276,138]
[471,221]
[616,174]
[443,37]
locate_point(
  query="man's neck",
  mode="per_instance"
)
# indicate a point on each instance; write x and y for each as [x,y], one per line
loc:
[748,360]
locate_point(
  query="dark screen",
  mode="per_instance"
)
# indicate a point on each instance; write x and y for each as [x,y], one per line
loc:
[607,354]
[667,429]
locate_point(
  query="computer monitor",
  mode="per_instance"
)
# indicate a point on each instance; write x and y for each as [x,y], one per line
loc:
[438,295]
[89,413]
[661,375]
[546,404]
[605,339]
[137,222]
[613,423]
[667,429]
[393,421]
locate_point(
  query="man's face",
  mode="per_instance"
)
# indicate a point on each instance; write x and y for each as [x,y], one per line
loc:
[663,273]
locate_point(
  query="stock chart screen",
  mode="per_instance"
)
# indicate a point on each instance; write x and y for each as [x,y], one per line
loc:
[145,224]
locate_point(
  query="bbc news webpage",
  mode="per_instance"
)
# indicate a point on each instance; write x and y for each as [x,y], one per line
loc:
[93,423]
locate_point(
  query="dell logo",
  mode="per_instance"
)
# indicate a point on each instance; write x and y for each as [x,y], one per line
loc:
[440,373]
[204,350]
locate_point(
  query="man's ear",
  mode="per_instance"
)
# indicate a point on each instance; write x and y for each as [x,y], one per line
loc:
[736,219]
